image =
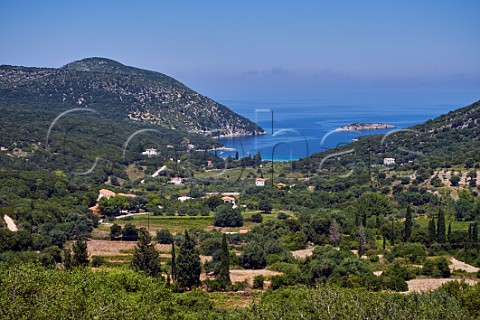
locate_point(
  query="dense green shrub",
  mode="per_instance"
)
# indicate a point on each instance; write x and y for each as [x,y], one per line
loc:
[257,217]
[253,256]
[164,236]
[98,261]
[437,268]
[258,282]
[226,216]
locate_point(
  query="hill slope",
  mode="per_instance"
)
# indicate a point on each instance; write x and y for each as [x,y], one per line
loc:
[120,92]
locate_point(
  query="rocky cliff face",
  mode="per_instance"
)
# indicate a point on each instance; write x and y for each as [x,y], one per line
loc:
[121,92]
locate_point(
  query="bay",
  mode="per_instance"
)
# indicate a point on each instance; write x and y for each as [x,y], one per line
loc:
[298,129]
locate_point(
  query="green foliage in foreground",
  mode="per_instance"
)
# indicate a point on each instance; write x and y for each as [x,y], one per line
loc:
[33,292]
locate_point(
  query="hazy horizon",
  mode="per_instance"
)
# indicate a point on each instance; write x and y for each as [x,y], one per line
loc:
[373,53]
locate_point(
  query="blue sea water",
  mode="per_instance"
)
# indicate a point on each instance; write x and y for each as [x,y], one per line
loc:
[300,129]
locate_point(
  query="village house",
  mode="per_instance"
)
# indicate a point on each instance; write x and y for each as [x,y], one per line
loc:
[183,199]
[96,210]
[176,181]
[108,194]
[260,182]
[388,161]
[105,193]
[151,152]
[227,199]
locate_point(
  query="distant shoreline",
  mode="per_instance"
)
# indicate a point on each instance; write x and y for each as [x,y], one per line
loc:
[365,126]
[239,135]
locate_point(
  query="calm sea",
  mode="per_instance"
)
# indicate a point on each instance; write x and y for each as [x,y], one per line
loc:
[300,129]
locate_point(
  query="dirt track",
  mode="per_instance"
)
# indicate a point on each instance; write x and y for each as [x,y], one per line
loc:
[10,223]
[459,265]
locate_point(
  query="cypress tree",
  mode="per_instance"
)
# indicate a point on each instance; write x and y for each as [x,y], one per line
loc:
[362,239]
[408,224]
[174,262]
[67,259]
[469,236]
[145,257]
[441,237]
[188,264]
[432,234]
[80,254]
[449,233]
[475,233]
[223,277]
[392,235]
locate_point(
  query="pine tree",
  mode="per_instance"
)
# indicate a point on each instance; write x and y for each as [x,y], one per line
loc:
[432,231]
[174,262]
[223,277]
[80,254]
[188,264]
[145,257]
[408,224]
[441,237]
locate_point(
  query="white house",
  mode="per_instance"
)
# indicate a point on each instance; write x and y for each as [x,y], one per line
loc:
[151,152]
[105,193]
[231,200]
[388,161]
[183,199]
[176,181]
[260,182]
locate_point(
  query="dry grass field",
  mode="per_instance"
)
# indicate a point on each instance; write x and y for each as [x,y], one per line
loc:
[422,285]
[107,248]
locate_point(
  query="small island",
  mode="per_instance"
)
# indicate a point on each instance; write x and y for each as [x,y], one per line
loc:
[365,126]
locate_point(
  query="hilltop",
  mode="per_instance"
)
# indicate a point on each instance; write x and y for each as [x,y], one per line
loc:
[120,92]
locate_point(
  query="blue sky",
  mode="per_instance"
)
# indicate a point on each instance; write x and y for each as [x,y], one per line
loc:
[345,51]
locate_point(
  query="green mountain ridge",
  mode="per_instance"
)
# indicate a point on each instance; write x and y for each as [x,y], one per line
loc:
[120,92]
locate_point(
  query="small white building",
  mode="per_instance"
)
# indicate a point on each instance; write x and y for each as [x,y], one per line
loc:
[176,181]
[260,182]
[151,152]
[388,161]
[183,199]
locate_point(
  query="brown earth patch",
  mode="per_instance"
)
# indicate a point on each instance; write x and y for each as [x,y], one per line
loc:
[114,248]
[422,285]
[302,254]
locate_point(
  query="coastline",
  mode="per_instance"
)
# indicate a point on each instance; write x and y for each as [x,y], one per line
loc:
[239,135]
[366,127]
